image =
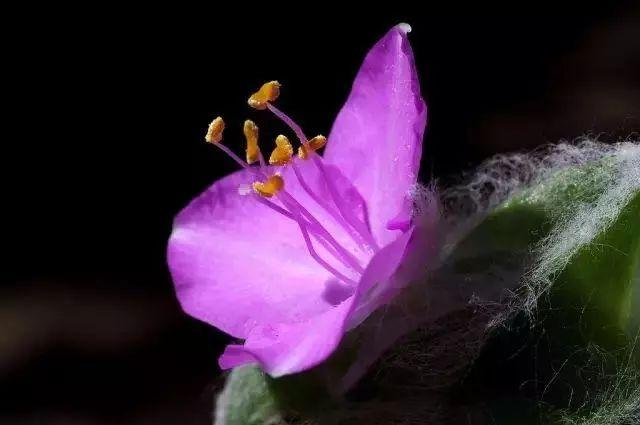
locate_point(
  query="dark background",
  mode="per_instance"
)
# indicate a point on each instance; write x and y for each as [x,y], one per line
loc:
[108,107]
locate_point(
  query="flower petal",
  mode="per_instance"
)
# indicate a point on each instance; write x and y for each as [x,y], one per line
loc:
[237,264]
[285,348]
[375,292]
[376,140]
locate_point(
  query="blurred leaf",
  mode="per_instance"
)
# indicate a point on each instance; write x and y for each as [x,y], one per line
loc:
[252,397]
[247,399]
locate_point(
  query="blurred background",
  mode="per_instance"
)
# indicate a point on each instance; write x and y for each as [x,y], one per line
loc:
[108,108]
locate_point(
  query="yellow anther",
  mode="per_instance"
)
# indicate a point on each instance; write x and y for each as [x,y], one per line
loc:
[317,142]
[251,134]
[313,145]
[303,153]
[281,155]
[269,187]
[267,93]
[214,132]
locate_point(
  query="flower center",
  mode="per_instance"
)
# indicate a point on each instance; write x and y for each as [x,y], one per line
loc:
[344,262]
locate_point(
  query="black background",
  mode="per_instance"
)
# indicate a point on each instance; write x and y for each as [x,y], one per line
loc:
[107,111]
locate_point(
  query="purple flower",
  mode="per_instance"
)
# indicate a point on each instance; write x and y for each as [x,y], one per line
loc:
[320,242]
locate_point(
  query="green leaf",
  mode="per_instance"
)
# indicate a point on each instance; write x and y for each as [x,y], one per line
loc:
[601,280]
[251,397]
[247,399]
[588,259]
[581,228]
[581,234]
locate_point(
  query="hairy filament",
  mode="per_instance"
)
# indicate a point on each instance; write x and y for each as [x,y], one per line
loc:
[359,226]
[233,156]
[353,262]
[337,217]
[314,254]
[320,237]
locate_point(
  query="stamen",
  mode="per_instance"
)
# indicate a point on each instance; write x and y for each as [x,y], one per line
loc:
[337,217]
[302,152]
[214,137]
[314,254]
[353,262]
[275,207]
[263,164]
[215,130]
[317,233]
[274,185]
[317,142]
[360,227]
[284,117]
[267,93]
[251,134]
[233,156]
[281,155]
[271,186]
[320,260]
[314,145]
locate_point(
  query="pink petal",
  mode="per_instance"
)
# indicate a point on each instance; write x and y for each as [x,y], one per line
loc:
[376,140]
[237,264]
[285,348]
[375,292]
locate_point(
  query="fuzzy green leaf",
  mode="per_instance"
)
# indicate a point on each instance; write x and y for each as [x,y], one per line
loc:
[247,399]
[581,285]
